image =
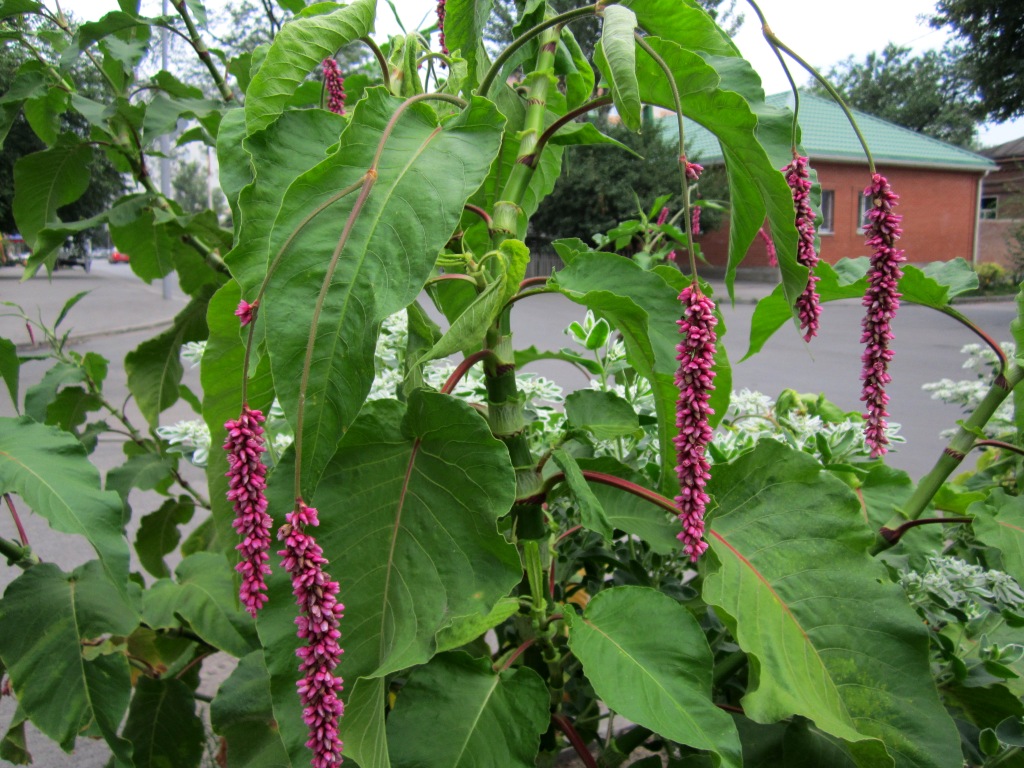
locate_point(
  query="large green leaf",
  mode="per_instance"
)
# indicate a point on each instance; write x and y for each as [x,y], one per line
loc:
[297,50]
[159,534]
[648,660]
[163,725]
[50,470]
[205,597]
[279,154]
[154,367]
[686,23]
[999,522]
[931,287]
[45,181]
[242,713]
[489,718]
[643,306]
[370,263]
[464,24]
[591,513]
[756,187]
[828,635]
[408,513]
[363,728]
[10,368]
[45,617]
[603,414]
[616,58]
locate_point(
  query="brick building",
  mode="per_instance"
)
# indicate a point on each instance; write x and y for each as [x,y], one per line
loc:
[1002,203]
[939,185]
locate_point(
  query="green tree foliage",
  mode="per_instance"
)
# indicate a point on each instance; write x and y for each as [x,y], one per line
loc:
[991,31]
[602,184]
[190,189]
[930,92]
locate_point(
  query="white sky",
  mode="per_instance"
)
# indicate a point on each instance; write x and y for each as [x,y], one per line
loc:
[829,33]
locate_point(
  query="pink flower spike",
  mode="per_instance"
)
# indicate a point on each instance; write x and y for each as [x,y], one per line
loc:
[335,85]
[247,481]
[881,301]
[695,380]
[808,304]
[695,220]
[662,217]
[319,616]
[246,311]
[769,246]
[440,25]
[692,170]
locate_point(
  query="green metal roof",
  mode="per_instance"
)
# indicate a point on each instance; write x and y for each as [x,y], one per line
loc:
[826,135]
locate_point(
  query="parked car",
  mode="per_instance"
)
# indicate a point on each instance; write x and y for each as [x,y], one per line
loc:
[74,254]
[118,257]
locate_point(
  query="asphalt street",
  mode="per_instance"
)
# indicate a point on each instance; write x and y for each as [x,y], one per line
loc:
[927,348]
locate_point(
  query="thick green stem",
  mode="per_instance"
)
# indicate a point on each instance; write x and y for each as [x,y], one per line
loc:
[202,51]
[23,557]
[954,453]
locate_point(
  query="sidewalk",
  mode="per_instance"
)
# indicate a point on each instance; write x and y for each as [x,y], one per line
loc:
[117,302]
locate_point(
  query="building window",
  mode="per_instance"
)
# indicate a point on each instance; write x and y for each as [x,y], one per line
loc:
[989,208]
[828,205]
[863,206]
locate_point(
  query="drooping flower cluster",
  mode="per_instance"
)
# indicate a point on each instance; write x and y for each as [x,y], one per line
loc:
[440,25]
[881,300]
[695,380]
[692,170]
[247,482]
[809,302]
[320,613]
[695,220]
[335,85]
[769,247]
[246,311]
[662,217]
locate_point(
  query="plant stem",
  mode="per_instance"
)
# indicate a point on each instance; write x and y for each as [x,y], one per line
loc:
[617,482]
[17,520]
[515,655]
[519,42]
[462,368]
[23,557]
[378,54]
[893,535]
[954,453]
[562,723]
[558,124]
[728,667]
[201,50]
[999,444]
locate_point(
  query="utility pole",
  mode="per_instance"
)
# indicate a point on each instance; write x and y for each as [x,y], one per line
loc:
[165,147]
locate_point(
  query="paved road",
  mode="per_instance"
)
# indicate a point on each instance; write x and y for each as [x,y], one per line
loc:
[927,349]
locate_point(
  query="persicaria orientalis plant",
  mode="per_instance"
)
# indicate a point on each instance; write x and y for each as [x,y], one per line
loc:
[595,572]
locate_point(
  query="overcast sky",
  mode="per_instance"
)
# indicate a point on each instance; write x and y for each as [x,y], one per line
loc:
[828,34]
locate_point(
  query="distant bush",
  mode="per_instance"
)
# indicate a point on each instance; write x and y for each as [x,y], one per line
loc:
[991,276]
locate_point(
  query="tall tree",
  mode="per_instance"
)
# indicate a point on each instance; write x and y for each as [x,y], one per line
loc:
[930,92]
[993,54]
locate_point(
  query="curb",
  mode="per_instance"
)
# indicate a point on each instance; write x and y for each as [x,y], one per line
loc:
[90,335]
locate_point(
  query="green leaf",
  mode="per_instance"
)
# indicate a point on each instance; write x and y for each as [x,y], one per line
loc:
[592,514]
[163,726]
[407,215]
[630,513]
[362,728]
[428,552]
[235,170]
[10,8]
[10,368]
[205,598]
[999,523]
[154,367]
[159,535]
[297,50]
[464,32]
[153,244]
[604,414]
[685,23]
[221,377]
[644,306]
[467,333]
[490,718]
[615,56]
[574,134]
[466,629]
[45,181]
[532,354]
[13,747]
[930,287]
[145,469]
[49,469]
[649,661]
[39,396]
[242,713]
[45,617]
[829,636]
